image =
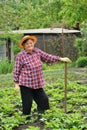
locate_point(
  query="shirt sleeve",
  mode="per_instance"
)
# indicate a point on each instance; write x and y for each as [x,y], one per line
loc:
[48,58]
[17,69]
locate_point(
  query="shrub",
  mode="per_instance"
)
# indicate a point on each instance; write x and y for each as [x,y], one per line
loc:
[44,66]
[81,62]
[6,66]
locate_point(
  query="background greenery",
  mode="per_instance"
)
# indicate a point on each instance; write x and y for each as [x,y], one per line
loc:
[28,14]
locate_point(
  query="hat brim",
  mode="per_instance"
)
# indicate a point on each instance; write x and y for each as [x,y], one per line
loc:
[26,38]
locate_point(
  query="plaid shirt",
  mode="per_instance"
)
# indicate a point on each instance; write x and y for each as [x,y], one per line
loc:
[28,68]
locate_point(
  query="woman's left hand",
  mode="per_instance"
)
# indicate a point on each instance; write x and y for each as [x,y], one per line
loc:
[65,59]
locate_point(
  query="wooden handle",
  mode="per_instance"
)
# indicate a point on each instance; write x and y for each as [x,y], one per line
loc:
[65,88]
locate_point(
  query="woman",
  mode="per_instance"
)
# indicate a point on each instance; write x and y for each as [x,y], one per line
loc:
[28,75]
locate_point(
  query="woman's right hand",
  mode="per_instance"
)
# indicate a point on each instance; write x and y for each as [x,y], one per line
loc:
[17,88]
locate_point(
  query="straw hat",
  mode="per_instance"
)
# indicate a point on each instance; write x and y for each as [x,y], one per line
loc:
[26,38]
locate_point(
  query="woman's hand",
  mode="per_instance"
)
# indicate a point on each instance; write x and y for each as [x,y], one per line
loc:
[17,88]
[65,59]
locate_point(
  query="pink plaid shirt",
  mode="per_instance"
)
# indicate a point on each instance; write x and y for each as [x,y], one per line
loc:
[28,68]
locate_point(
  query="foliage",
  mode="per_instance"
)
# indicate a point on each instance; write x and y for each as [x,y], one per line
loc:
[34,14]
[81,43]
[50,66]
[74,10]
[81,62]
[40,14]
[15,37]
[6,66]
[10,117]
[84,38]
[54,119]
[33,128]
[17,15]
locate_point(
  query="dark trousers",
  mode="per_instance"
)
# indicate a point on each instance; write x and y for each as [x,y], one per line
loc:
[38,95]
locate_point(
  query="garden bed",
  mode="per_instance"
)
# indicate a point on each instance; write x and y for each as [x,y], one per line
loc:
[76,117]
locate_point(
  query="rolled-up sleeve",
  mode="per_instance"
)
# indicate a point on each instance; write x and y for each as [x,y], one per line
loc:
[48,58]
[17,69]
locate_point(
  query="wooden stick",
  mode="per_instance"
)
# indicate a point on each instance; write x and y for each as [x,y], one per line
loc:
[65,89]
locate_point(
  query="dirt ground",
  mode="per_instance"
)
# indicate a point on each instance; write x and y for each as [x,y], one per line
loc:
[81,75]
[25,126]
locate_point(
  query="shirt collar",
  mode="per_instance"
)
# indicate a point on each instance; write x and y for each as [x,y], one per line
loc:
[28,52]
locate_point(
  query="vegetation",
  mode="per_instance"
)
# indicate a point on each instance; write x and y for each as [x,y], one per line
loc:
[30,14]
[6,66]
[81,62]
[81,43]
[54,119]
[16,14]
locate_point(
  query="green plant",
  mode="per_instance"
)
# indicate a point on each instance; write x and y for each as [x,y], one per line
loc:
[33,128]
[55,118]
[81,61]
[79,45]
[6,66]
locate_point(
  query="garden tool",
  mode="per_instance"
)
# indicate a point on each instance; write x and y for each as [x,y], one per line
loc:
[65,60]
[65,88]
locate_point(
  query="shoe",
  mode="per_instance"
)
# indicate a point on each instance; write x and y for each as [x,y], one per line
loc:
[41,119]
[28,118]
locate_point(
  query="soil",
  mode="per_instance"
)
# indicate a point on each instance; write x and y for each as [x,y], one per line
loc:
[81,75]
[25,126]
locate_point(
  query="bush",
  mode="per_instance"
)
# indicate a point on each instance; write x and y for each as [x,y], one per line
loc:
[6,66]
[44,66]
[81,62]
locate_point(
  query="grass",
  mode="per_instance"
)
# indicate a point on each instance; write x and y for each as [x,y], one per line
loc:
[6,66]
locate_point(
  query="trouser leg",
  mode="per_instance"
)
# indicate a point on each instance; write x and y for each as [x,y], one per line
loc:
[26,96]
[41,100]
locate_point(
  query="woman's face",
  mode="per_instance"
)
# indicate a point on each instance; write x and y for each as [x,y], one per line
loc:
[29,45]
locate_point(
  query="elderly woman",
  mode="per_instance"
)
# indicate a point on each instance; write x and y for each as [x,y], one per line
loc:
[28,75]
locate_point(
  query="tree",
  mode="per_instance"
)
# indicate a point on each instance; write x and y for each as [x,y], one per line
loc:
[29,14]
[74,10]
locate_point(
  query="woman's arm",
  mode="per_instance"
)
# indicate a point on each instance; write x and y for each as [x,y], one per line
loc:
[51,58]
[48,57]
